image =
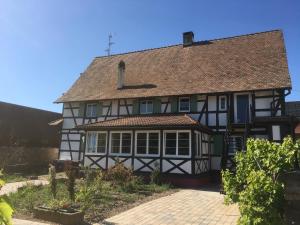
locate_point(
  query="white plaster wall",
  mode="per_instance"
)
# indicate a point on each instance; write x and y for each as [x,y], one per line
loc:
[212,103]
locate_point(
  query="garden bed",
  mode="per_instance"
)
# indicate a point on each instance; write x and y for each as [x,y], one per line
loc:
[111,200]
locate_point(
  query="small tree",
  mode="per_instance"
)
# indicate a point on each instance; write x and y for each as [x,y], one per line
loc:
[71,174]
[255,185]
[5,210]
[52,180]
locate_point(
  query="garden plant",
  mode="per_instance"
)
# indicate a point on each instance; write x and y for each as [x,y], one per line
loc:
[256,183]
[5,209]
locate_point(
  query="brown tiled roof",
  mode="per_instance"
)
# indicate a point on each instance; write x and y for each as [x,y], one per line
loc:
[249,62]
[146,121]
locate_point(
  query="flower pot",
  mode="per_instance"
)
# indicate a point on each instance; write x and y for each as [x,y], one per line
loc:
[64,217]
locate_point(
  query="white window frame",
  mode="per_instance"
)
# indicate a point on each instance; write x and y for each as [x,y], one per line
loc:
[176,155]
[220,105]
[86,144]
[198,144]
[147,142]
[91,112]
[147,103]
[120,147]
[179,100]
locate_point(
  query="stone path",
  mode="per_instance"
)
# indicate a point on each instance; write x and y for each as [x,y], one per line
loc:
[13,187]
[186,207]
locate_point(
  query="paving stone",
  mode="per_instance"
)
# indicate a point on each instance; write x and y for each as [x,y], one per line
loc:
[181,208]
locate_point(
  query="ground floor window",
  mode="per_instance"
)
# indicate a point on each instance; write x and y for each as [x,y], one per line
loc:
[177,143]
[96,142]
[121,142]
[147,142]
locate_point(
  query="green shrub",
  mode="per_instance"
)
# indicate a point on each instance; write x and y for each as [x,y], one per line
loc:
[255,185]
[5,209]
[52,180]
[89,191]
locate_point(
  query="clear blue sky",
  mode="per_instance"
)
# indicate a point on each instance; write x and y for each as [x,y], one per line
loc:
[45,45]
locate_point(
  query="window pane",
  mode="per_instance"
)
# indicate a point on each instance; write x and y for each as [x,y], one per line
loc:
[141,143]
[149,107]
[115,142]
[153,143]
[170,143]
[183,143]
[143,107]
[184,104]
[223,103]
[91,110]
[101,146]
[126,142]
[91,143]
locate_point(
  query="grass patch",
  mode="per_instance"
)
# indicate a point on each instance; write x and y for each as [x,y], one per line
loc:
[99,199]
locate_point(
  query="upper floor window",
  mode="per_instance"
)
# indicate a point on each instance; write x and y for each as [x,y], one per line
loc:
[222,103]
[146,107]
[184,104]
[91,110]
[96,142]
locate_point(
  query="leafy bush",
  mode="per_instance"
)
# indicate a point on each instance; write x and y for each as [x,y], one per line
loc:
[90,189]
[119,174]
[5,209]
[52,180]
[255,185]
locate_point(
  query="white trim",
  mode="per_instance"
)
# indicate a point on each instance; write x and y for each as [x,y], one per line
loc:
[86,144]
[235,104]
[176,155]
[120,147]
[179,110]
[147,142]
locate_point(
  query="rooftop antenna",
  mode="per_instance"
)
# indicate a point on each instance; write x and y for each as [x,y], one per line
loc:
[110,43]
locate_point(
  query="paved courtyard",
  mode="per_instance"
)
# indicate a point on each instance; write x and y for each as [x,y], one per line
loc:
[181,208]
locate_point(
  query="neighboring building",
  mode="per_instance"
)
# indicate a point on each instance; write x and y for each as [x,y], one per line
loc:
[185,108]
[293,110]
[26,139]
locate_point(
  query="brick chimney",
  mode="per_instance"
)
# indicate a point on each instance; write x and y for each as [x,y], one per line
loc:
[188,38]
[121,74]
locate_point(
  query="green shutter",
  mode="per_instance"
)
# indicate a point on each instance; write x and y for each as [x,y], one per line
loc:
[157,105]
[174,104]
[135,107]
[194,103]
[99,109]
[81,109]
[218,144]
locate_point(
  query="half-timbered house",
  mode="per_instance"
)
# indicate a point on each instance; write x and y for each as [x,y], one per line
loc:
[185,109]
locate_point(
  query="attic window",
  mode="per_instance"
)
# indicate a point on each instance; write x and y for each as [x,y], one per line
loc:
[146,107]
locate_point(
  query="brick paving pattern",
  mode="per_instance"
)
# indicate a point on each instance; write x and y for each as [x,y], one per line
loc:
[186,207]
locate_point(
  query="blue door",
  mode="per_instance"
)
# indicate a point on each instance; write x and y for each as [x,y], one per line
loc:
[242,102]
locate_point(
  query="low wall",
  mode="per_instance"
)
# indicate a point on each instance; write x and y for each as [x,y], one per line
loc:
[26,159]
